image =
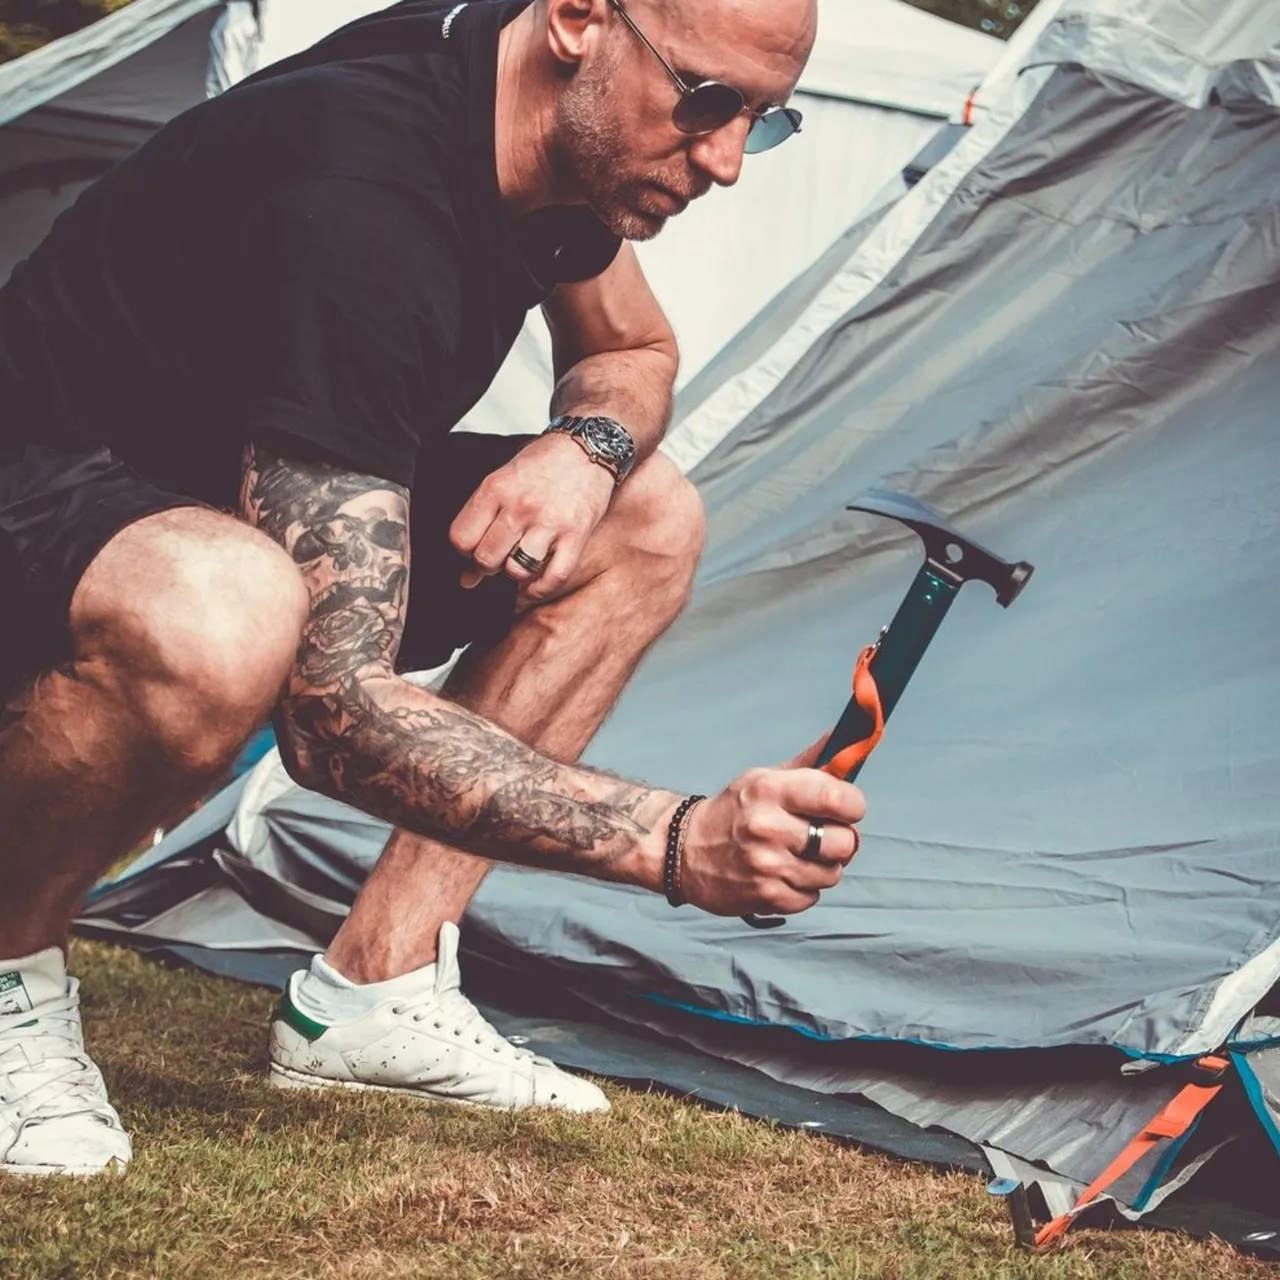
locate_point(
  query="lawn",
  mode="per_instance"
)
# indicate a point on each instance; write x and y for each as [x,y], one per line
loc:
[231,1178]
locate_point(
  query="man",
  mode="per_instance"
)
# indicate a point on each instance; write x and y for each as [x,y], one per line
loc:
[397,199]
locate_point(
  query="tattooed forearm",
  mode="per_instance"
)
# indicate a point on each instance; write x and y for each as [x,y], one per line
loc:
[352,729]
[434,767]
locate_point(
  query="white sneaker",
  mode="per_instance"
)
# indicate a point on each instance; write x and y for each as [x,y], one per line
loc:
[431,1042]
[54,1113]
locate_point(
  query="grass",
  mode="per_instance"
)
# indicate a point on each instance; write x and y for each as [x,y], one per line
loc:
[231,1178]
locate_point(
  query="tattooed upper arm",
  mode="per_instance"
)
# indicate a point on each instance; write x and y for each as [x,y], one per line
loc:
[349,536]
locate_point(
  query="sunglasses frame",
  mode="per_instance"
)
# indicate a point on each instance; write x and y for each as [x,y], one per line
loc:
[688,91]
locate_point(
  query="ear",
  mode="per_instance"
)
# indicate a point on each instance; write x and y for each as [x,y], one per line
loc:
[574,27]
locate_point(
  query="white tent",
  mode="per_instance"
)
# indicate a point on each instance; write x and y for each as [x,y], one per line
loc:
[882,77]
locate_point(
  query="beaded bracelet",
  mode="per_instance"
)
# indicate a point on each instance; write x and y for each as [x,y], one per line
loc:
[675,847]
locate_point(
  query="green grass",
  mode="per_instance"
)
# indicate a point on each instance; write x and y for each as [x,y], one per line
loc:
[231,1178]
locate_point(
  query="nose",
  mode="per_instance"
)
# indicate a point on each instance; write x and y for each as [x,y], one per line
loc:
[719,154]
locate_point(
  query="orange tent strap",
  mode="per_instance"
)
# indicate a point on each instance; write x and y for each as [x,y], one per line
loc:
[867,696]
[1177,1116]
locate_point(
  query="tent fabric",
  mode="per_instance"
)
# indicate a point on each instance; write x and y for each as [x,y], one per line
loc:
[733,401]
[1058,759]
[1141,41]
[888,54]
[291,885]
[1129,42]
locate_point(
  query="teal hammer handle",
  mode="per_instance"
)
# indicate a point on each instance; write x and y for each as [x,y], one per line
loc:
[897,655]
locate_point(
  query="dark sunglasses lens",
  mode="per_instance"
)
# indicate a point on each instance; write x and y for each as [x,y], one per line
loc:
[772,128]
[710,106]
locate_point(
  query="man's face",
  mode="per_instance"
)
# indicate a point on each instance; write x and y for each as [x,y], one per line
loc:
[615,142]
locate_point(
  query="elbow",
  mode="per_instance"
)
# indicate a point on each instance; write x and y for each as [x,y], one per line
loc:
[666,348]
[310,740]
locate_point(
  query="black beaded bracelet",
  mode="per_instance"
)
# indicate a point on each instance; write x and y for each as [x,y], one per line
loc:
[675,844]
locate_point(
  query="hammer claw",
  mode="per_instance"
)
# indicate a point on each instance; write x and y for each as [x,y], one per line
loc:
[949,553]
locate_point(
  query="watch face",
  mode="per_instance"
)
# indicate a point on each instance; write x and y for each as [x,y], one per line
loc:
[609,439]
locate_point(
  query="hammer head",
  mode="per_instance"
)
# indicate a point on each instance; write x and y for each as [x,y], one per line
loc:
[948,552]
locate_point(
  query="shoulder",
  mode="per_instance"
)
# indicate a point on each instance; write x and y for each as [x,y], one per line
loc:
[395,117]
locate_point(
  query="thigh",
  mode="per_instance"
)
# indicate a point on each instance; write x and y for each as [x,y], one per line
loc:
[443,617]
[58,509]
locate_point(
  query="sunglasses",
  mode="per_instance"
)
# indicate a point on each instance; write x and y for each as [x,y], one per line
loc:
[710,105]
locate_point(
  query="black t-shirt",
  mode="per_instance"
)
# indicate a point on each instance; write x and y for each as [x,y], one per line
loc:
[318,256]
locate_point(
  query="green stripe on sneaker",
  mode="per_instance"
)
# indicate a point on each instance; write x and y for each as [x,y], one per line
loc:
[289,1013]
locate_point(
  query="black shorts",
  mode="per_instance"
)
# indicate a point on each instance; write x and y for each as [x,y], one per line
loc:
[59,509]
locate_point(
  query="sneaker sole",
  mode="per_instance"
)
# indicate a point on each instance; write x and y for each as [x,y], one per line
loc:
[288,1078]
[114,1167]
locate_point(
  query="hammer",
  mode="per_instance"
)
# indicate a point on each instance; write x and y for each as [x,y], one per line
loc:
[950,560]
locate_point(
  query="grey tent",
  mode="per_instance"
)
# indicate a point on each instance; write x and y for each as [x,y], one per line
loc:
[1066,336]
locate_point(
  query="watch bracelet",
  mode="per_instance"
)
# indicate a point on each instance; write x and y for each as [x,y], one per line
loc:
[557,426]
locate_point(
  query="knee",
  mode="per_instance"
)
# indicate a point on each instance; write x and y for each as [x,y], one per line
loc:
[662,520]
[194,619]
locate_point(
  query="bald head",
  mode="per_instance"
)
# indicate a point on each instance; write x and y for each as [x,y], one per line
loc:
[754,45]
[613,142]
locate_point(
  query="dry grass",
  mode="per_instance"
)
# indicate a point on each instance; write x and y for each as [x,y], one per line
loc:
[234,1179]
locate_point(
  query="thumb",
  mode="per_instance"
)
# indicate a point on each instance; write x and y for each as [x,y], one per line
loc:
[808,758]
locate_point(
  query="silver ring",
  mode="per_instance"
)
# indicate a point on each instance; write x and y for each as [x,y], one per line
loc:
[526,561]
[812,850]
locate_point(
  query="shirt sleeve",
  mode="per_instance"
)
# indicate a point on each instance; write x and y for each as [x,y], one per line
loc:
[349,311]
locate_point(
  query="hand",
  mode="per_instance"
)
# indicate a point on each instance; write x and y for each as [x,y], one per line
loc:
[548,501]
[742,849]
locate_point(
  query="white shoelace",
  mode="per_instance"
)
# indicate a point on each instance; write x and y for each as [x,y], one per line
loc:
[44,1070]
[455,1011]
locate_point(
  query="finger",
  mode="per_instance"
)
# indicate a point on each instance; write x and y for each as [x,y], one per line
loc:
[814,875]
[494,548]
[564,560]
[811,794]
[838,846]
[473,521]
[535,543]
[788,901]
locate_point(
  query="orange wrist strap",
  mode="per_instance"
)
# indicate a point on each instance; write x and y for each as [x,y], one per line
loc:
[867,696]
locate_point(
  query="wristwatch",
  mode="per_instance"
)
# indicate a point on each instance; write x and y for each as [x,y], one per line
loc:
[604,441]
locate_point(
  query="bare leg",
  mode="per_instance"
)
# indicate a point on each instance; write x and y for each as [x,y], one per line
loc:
[183,635]
[551,681]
